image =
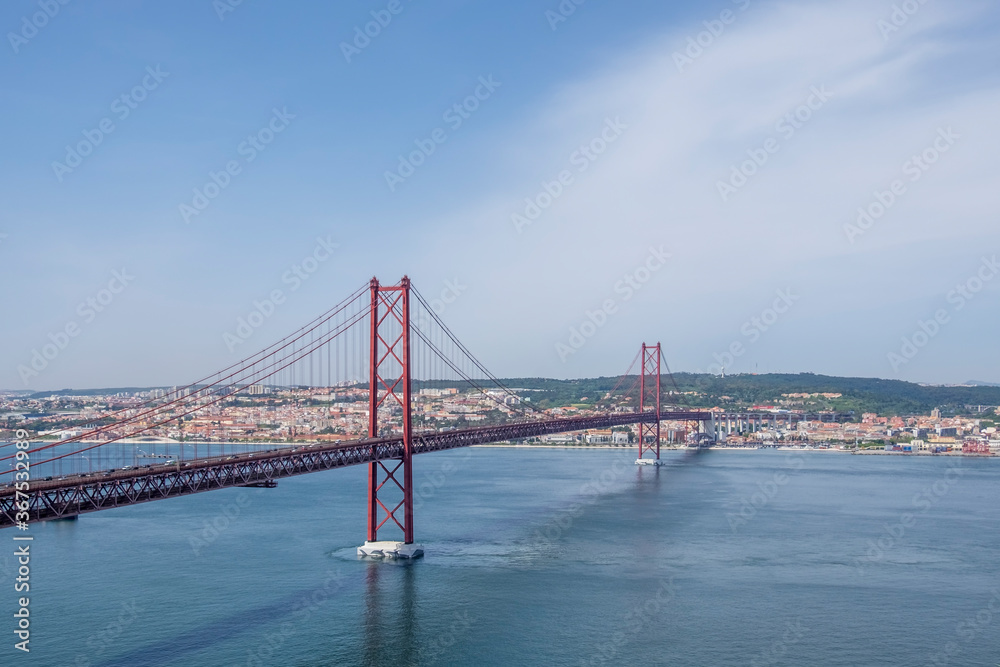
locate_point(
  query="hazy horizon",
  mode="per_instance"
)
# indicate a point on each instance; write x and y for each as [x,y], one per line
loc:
[140,386]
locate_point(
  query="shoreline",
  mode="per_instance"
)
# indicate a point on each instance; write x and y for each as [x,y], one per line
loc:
[862,452]
[512,445]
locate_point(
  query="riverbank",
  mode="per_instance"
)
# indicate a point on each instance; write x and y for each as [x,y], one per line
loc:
[874,452]
[716,448]
[514,445]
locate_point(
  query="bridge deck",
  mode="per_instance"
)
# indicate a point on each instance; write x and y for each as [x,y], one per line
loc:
[79,494]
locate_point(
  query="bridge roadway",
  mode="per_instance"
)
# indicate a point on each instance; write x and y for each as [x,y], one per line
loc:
[73,495]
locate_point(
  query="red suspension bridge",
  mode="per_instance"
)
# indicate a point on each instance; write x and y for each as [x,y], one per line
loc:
[387,337]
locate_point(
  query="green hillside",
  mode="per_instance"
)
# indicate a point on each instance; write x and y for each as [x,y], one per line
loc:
[885,397]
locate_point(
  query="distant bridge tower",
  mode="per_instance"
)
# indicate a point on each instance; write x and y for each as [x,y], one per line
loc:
[390,387]
[649,401]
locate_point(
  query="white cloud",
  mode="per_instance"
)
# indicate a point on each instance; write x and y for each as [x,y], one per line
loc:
[657,185]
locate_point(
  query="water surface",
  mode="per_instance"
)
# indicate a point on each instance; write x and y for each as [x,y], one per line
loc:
[543,557]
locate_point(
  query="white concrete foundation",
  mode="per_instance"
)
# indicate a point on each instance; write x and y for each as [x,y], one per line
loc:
[390,550]
[649,462]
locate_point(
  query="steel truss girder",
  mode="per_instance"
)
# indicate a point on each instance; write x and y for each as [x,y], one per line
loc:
[66,498]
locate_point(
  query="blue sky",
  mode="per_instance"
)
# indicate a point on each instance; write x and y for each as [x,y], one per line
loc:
[671,119]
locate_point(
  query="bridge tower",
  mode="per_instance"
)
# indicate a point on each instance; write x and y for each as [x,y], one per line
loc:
[390,388]
[649,401]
